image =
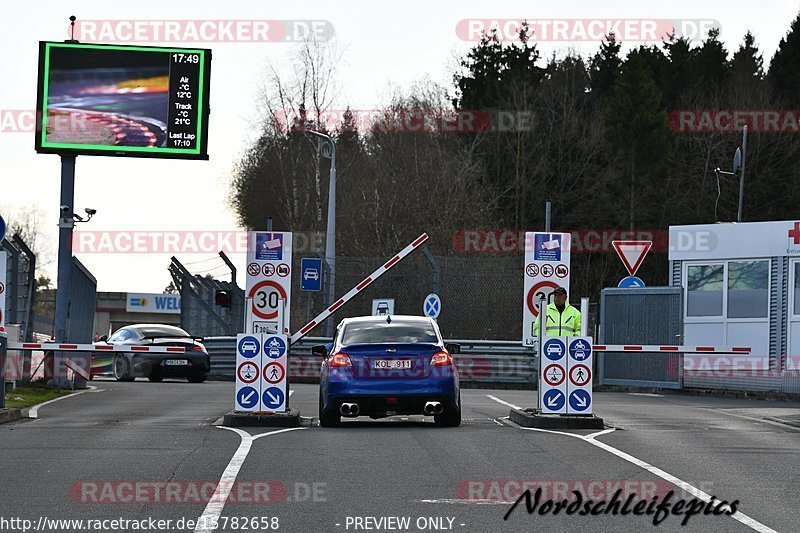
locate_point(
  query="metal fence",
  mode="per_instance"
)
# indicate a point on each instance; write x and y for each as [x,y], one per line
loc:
[200,315]
[504,362]
[21,285]
[647,315]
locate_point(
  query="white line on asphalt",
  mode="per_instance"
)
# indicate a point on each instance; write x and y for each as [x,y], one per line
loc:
[33,411]
[210,516]
[498,400]
[648,394]
[291,392]
[694,491]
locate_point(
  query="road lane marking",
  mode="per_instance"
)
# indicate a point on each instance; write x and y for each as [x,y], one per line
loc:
[498,400]
[691,489]
[217,502]
[33,411]
[291,392]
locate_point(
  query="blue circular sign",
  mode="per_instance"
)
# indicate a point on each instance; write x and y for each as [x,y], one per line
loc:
[272,397]
[433,305]
[580,400]
[554,349]
[580,349]
[249,346]
[274,347]
[2,228]
[553,400]
[247,397]
[630,282]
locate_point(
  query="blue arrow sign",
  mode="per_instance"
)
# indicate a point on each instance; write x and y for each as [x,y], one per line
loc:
[554,349]
[311,274]
[579,349]
[247,397]
[249,346]
[553,400]
[433,305]
[630,282]
[274,347]
[580,400]
[273,397]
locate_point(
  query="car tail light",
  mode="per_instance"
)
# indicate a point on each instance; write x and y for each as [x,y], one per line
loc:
[340,359]
[441,358]
[197,348]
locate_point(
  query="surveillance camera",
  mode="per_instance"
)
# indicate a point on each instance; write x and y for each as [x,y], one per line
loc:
[65,209]
[90,211]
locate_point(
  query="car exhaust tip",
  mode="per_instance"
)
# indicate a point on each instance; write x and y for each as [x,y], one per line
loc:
[433,408]
[349,409]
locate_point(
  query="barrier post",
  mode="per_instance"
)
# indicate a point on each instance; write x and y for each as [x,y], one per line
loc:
[3,356]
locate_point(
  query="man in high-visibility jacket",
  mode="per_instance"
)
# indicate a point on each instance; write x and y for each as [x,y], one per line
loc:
[563,320]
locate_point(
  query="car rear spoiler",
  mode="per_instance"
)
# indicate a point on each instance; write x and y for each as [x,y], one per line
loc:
[152,337]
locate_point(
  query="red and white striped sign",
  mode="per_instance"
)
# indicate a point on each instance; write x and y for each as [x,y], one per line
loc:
[358,288]
[55,346]
[657,348]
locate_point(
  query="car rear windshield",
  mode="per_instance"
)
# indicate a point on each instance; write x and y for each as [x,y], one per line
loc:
[162,331]
[395,332]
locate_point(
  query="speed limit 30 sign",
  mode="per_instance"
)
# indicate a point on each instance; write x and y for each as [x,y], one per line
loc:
[269,283]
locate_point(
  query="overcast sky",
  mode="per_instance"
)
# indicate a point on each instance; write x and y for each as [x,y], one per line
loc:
[383,45]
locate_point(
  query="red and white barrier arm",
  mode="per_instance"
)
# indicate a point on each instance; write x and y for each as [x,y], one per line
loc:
[680,349]
[358,288]
[62,347]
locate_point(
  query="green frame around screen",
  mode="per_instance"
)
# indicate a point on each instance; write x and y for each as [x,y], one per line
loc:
[96,149]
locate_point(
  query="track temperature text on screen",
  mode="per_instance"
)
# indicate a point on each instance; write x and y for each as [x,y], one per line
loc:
[139,101]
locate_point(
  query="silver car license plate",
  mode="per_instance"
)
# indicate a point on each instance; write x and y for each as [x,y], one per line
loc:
[391,364]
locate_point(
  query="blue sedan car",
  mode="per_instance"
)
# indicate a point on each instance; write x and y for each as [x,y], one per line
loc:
[381,366]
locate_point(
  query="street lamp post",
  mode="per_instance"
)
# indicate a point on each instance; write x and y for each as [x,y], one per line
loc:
[327,149]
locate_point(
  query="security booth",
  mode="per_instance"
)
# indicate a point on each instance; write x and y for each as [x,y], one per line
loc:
[741,286]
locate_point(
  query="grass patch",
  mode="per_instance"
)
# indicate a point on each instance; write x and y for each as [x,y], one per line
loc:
[27,395]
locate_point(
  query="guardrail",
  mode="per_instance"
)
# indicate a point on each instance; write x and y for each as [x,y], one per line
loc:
[480,361]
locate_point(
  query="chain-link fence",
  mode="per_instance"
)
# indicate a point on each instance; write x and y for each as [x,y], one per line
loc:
[481,296]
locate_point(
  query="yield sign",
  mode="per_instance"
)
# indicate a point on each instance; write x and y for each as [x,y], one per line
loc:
[632,253]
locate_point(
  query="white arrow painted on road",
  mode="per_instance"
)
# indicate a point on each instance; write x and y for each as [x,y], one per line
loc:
[551,403]
[275,399]
[245,400]
[581,401]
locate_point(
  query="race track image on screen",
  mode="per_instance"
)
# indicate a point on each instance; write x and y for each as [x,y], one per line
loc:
[122,100]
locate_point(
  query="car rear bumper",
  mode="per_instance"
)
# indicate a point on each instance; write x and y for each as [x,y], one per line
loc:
[379,396]
[146,363]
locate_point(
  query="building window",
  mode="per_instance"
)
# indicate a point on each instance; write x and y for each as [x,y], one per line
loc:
[797,288]
[704,290]
[748,289]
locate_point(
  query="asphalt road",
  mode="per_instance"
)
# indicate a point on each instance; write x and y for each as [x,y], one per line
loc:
[86,456]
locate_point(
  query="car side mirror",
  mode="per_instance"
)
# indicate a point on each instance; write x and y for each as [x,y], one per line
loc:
[103,338]
[452,348]
[320,350]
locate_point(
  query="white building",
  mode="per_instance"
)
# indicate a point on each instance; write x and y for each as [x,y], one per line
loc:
[742,288]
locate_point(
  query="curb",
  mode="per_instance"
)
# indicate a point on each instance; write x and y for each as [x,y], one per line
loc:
[289,419]
[535,419]
[10,415]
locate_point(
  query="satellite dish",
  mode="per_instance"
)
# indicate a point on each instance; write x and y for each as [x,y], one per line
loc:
[737,161]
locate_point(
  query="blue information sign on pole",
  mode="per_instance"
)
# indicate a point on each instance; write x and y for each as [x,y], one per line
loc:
[2,228]
[311,274]
[631,281]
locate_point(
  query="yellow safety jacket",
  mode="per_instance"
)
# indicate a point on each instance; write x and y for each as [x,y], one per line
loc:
[560,324]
